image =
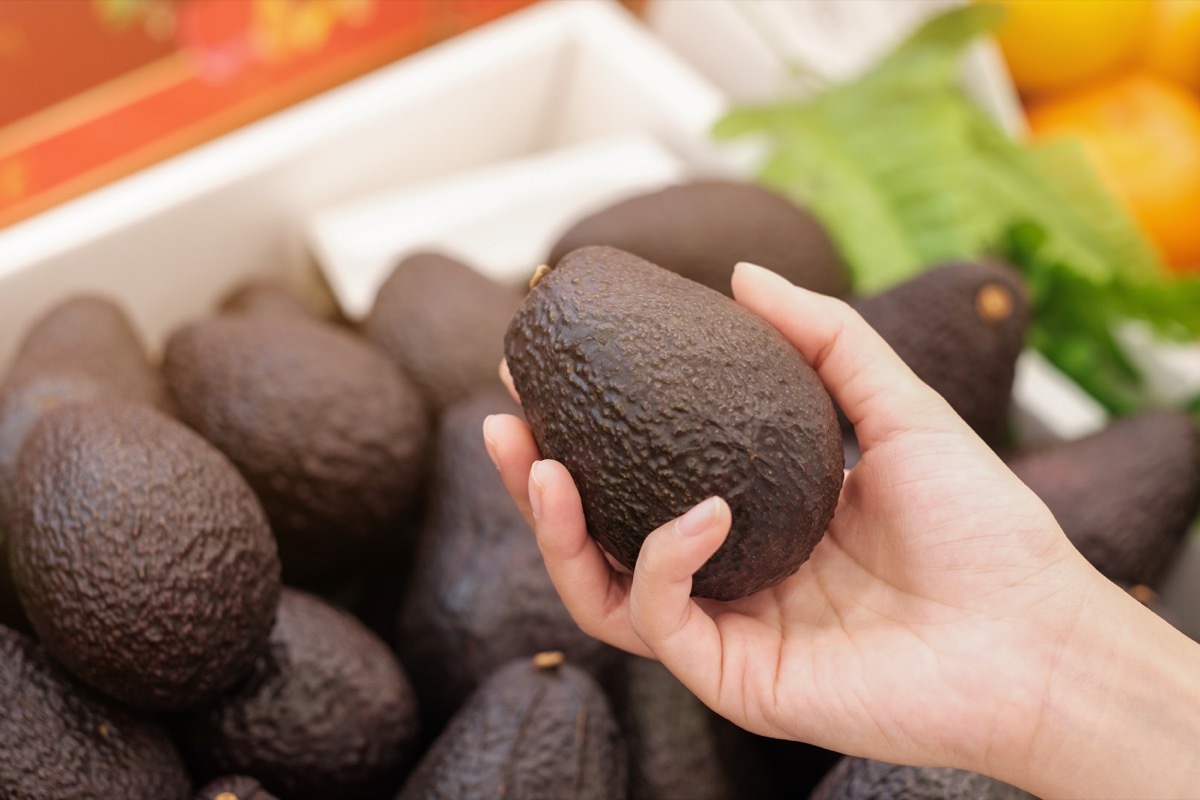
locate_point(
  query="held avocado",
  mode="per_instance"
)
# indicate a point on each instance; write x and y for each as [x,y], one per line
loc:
[863,779]
[331,437]
[327,711]
[142,558]
[538,729]
[480,595]
[443,324]
[960,328]
[1126,495]
[60,740]
[655,393]
[703,228]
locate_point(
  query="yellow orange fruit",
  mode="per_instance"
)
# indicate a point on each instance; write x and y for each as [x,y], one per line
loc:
[1173,47]
[1051,45]
[1143,135]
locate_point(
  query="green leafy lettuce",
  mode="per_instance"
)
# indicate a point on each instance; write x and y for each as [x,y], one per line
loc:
[907,173]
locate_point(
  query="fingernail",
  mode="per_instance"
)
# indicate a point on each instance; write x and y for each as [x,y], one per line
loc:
[489,441]
[699,520]
[536,488]
[752,269]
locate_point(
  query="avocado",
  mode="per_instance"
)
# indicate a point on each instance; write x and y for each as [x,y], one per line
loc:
[656,392]
[60,740]
[702,229]
[266,298]
[960,328]
[235,787]
[443,324]
[1126,495]
[83,349]
[538,729]
[142,558]
[480,595]
[678,748]
[327,711]
[329,434]
[863,779]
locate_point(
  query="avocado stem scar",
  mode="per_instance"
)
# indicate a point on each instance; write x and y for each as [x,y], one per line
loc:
[548,660]
[538,274]
[993,302]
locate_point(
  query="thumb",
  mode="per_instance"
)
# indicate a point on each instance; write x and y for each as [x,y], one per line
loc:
[876,390]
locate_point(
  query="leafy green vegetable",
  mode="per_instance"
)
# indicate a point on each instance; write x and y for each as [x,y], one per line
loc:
[907,173]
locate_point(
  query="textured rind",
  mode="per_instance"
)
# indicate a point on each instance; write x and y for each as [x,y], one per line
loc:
[528,733]
[240,787]
[480,595]
[678,748]
[1126,495]
[142,558]
[83,349]
[656,393]
[702,229]
[863,779]
[443,324]
[61,741]
[331,437]
[327,712]
[933,324]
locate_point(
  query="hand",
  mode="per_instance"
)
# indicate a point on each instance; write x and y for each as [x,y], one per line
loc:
[936,621]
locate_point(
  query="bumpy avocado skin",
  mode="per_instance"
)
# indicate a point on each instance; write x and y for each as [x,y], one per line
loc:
[960,328]
[82,350]
[443,324]
[331,437]
[656,393]
[327,712]
[1126,495]
[60,740]
[531,733]
[235,787]
[142,558]
[678,748]
[702,229]
[480,595]
[863,779]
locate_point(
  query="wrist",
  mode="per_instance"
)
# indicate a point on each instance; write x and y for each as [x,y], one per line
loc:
[1119,714]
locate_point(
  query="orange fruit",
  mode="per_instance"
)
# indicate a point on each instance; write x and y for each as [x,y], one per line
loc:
[1173,48]
[1051,45]
[1143,136]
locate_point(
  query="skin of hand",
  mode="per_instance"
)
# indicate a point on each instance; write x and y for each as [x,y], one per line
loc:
[944,618]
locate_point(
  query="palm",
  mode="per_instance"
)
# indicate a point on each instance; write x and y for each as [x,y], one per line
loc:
[902,584]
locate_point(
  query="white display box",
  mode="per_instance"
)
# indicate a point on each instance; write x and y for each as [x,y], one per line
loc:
[169,241]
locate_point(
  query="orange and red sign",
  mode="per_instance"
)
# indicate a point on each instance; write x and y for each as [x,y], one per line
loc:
[92,90]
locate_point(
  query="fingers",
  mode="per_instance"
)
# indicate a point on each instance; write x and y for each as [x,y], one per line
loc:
[663,614]
[512,448]
[876,390]
[593,592]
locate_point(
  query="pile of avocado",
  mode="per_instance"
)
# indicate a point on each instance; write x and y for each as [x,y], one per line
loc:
[280,564]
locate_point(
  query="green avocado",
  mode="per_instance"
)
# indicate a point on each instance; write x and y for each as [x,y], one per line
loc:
[702,229]
[60,740]
[480,595]
[538,729]
[82,350]
[234,787]
[327,712]
[960,328]
[331,437]
[443,324]
[1125,496]
[656,392]
[142,558]
[862,779]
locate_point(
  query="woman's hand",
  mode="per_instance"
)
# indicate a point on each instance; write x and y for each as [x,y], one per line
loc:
[943,619]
